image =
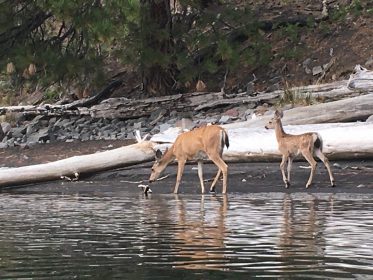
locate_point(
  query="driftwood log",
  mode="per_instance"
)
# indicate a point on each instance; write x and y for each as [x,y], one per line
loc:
[341,141]
[74,166]
[350,109]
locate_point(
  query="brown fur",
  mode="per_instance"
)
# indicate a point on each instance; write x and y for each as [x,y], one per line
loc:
[188,145]
[290,146]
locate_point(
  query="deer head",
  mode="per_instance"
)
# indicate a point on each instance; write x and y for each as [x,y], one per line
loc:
[277,116]
[158,166]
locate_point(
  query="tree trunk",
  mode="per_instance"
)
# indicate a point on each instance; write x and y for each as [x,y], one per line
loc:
[156,24]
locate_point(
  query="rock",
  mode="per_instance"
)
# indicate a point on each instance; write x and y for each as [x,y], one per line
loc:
[84,137]
[185,123]
[18,132]
[6,127]
[137,125]
[370,119]
[261,109]
[3,145]
[164,127]
[224,119]
[247,114]
[316,70]
[233,113]
[369,62]
[306,63]
[42,135]
[31,128]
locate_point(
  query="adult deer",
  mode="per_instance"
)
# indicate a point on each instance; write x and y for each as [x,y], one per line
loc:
[290,146]
[208,140]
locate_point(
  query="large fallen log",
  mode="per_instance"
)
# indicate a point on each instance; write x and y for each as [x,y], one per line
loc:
[341,141]
[350,109]
[75,166]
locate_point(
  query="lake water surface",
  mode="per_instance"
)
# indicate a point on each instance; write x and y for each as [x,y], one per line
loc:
[128,236]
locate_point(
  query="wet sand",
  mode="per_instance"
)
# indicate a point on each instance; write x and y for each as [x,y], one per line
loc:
[351,176]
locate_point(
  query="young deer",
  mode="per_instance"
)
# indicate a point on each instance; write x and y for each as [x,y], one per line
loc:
[208,139]
[290,146]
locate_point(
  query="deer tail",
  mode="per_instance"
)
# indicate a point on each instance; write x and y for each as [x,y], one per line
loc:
[318,143]
[225,139]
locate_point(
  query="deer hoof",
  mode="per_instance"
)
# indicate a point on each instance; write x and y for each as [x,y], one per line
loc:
[287,184]
[212,190]
[307,186]
[333,185]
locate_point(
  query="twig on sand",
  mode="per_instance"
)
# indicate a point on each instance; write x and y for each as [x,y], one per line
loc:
[131,182]
[67,178]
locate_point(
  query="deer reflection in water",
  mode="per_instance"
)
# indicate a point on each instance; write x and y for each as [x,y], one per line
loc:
[200,242]
[302,233]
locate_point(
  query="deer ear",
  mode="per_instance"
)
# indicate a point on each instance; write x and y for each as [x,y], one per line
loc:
[158,154]
[279,114]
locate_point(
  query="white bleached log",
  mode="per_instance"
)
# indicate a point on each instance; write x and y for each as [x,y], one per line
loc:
[341,141]
[350,109]
[74,166]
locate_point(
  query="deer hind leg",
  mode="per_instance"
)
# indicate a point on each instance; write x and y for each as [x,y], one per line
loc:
[180,170]
[212,188]
[200,175]
[223,167]
[282,167]
[308,156]
[325,160]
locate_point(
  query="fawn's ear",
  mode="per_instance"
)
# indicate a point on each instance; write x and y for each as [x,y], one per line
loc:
[279,114]
[158,154]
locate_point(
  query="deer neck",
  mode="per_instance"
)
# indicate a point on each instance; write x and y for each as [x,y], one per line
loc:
[168,157]
[279,130]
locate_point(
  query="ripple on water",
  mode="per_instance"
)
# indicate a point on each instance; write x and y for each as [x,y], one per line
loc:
[56,236]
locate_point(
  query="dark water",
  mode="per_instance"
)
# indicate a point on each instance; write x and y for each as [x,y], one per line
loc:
[128,236]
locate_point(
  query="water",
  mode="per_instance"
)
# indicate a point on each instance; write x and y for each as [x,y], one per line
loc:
[127,236]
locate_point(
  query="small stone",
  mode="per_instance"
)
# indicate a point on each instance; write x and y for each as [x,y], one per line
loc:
[224,119]
[232,113]
[137,125]
[369,62]
[316,70]
[6,127]
[337,165]
[3,145]
[361,186]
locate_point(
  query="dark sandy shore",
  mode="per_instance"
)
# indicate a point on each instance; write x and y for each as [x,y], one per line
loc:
[351,176]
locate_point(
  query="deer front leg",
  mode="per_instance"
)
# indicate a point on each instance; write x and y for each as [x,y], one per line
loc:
[200,175]
[282,167]
[313,163]
[180,170]
[290,161]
